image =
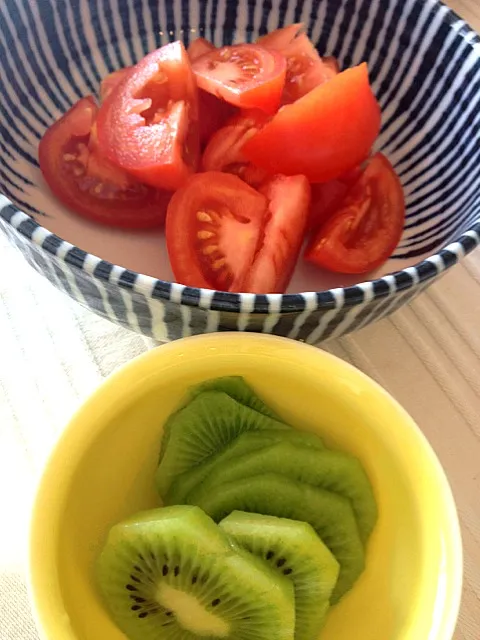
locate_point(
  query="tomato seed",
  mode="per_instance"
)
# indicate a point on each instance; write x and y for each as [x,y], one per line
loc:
[203,216]
[205,235]
[218,264]
[209,250]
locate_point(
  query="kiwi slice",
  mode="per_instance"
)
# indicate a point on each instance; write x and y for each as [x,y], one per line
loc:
[272,494]
[245,443]
[172,574]
[294,550]
[203,428]
[236,388]
[331,470]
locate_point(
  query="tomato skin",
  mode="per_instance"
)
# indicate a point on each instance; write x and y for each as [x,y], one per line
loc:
[214,224]
[280,38]
[288,207]
[110,82]
[246,75]
[324,134]
[86,182]
[224,150]
[305,69]
[363,233]
[198,48]
[213,114]
[148,125]
[326,198]
[332,65]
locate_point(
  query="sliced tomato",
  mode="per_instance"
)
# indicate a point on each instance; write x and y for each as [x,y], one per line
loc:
[224,151]
[213,114]
[86,182]
[148,125]
[332,65]
[213,228]
[327,197]
[305,69]
[363,233]
[324,134]
[110,82]
[280,38]
[288,206]
[198,48]
[246,75]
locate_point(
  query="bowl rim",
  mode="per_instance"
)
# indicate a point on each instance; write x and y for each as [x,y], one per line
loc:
[120,380]
[105,272]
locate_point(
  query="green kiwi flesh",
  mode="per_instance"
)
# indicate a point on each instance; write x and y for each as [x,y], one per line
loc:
[204,427]
[172,574]
[245,443]
[331,470]
[294,550]
[236,388]
[272,494]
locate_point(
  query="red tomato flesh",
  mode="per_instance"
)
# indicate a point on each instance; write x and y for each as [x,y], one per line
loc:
[245,75]
[363,233]
[148,125]
[305,69]
[280,38]
[224,151]
[198,48]
[213,114]
[322,135]
[110,82]
[288,206]
[86,182]
[213,227]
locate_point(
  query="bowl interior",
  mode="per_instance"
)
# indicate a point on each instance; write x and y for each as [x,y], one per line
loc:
[422,62]
[103,471]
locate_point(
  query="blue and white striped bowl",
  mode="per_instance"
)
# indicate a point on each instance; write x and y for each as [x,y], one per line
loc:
[425,67]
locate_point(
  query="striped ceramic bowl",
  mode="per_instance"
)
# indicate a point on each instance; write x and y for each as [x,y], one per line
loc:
[425,68]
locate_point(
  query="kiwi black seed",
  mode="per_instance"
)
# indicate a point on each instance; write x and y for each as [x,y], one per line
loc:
[332,470]
[294,550]
[236,388]
[272,494]
[245,443]
[201,429]
[171,574]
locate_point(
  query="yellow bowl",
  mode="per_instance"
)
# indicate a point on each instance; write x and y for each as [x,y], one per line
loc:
[102,471]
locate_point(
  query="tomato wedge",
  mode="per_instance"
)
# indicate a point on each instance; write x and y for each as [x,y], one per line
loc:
[328,196]
[246,75]
[148,125]
[224,151]
[110,82]
[272,269]
[213,114]
[198,48]
[86,182]
[305,69]
[213,228]
[332,65]
[324,134]
[280,38]
[362,234]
